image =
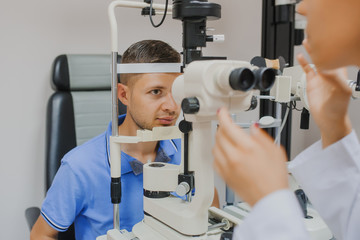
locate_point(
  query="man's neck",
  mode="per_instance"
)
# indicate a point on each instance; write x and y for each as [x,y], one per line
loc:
[143,151]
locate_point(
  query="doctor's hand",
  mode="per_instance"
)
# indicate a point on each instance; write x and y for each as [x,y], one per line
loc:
[329,97]
[251,164]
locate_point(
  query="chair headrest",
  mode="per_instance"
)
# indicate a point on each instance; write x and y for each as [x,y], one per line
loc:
[86,72]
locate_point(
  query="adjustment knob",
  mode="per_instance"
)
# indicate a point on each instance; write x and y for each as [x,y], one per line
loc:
[182,189]
[185,126]
[190,105]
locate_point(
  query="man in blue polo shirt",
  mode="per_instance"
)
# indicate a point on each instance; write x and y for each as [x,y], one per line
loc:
[80,192]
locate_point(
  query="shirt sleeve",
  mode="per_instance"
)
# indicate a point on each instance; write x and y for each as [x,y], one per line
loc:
[276,217]
[330,177]
[64,199]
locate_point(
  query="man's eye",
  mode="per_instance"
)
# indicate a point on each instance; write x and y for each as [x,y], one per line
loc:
[156,92]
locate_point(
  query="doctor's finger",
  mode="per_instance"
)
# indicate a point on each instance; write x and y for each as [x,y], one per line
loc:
[219,165]
[306,45]
[305,64]
[337,77]
[231,154]
[226,165]
[261,136]
[227,129]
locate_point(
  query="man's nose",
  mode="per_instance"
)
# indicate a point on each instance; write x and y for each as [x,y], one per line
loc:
[169,103]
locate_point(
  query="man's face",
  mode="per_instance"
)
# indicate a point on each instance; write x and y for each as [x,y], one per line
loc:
[333,31]
[150,101]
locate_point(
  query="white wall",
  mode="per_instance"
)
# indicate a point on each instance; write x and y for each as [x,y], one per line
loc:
[34,32]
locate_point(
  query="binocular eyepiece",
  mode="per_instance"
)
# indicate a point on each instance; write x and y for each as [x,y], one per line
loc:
[244,79]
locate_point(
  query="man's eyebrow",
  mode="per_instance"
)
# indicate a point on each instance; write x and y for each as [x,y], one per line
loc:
[156,86]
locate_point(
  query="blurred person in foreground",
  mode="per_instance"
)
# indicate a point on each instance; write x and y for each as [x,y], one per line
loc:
[329,170]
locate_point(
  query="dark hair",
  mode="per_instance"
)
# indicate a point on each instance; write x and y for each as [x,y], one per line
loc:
[148,51]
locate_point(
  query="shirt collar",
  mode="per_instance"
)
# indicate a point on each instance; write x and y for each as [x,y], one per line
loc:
[167,149]
[137,167]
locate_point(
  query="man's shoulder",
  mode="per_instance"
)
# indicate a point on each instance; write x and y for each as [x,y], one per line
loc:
[92,149]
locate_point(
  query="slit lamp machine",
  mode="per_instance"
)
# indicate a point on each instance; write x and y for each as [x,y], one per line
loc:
[204,87]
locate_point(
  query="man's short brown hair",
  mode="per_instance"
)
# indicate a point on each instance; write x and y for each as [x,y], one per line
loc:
[148,51]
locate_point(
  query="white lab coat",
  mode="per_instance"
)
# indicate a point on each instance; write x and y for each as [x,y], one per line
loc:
[331,179]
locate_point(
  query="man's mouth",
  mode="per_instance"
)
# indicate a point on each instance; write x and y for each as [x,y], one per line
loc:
[166,120]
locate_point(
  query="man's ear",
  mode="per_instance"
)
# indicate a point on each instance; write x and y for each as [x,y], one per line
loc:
[123,93]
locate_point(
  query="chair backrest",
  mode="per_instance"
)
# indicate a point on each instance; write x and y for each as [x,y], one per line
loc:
[80,108]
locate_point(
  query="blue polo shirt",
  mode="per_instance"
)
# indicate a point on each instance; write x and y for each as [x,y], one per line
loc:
[80,192]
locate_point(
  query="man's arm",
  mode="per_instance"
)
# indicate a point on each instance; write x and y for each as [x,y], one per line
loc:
[42,231]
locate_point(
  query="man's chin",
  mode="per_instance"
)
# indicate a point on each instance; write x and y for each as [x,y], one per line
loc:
[164,124]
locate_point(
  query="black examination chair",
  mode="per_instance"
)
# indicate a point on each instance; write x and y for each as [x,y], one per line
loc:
[78,110]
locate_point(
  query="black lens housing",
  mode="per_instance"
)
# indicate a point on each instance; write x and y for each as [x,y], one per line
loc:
[265,78]
[242,79]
